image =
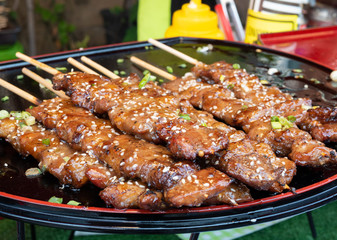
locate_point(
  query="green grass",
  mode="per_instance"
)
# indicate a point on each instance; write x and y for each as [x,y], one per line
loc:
[296,228]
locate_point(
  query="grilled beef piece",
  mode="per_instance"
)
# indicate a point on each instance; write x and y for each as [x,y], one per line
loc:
[139,112]
[256,120]
[74,168]
[130,157]
[236,193]
[319,122]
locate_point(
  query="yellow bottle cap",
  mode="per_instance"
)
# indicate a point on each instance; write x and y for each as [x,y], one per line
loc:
[195,19]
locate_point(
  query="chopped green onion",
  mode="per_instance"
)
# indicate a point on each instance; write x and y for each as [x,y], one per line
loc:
[19,77]
[33,172]
[25,114]
[264,81]
[43,168]
[299,76]
[116,72]
[46,141]
[66,159]
[144,81]
[160,80]
[169,69]
[16,115]
[54,199]
[22,124]
[236,66]
[4,114]
[31,107]
[123,73]
[230,86]
[183,65]
[291,118]
[61,69]
[74,203]
[204,124]
[297,70]
[244,107]
[285,123]
[120,60]
[276,125]
[146,72]
[222,78]
[30,120]
[185,116]
[317,82]
[153,78]
[4,99]
[274,119]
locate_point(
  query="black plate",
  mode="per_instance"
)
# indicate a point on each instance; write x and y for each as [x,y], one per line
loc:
[26,199]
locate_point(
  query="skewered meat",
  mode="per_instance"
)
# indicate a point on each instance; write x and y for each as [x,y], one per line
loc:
[131,157]
[143,113]
[320,122]
[191,134]
[255,120]
[74,168]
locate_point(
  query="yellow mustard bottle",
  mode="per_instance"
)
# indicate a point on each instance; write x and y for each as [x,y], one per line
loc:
[195,19]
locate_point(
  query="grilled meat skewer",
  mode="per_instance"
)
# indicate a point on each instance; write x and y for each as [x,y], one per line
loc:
[80,86]
[75,168]
[221,103]
[142,112]
[183,183]
[319,122]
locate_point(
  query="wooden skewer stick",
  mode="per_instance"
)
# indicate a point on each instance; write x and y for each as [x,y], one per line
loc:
[152,68]
[80,66]
[44,82]
[174,52]
[99,67]
[20,92]
[36,63]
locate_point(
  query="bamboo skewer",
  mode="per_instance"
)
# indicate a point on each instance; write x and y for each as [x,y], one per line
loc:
[99,67]
[174,52]
[36,63]
[152,68]
[43,81]
[80,66]
[20,92]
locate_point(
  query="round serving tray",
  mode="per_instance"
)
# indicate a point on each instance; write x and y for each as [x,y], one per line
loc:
[26,199]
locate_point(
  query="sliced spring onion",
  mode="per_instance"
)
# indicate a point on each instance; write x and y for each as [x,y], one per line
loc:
[73,202]
[31,107]
[274,119]
[116,72]
[66,159]
[244,107]
[120,60]
[123,73]
[297,70]
[25,114]
[276,125]
[144,81]
[4,114]
[54,199]
[61,69]
[153,78]
[146,72]
[46,141]
[222,78]
[5,99]
[291,118]
[30,120]
[236,66]
[169,69]
[183,65]
[185,116]
[204,124]
[33,172]
[264,81]
[22,124]
[285,123]
[230,86]
[19,77]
